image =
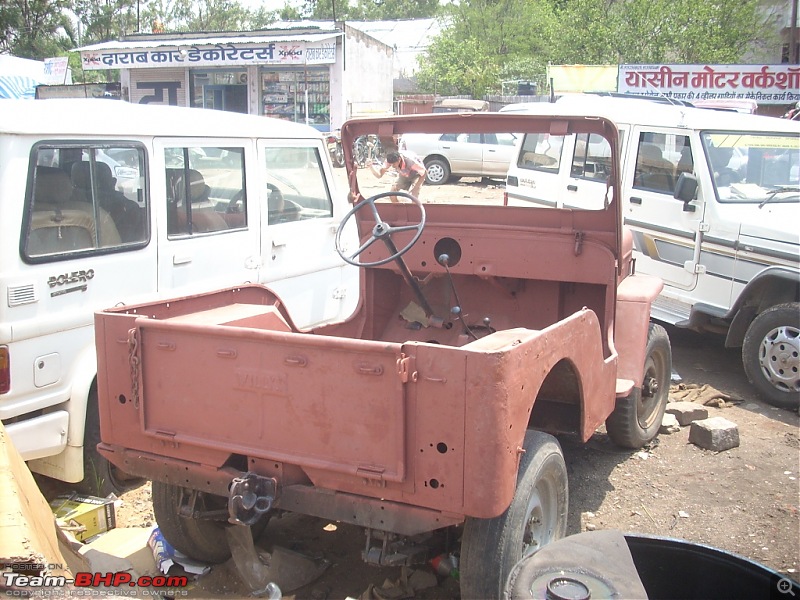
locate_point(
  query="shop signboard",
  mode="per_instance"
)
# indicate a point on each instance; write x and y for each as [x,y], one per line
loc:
[213,55]
[766,84]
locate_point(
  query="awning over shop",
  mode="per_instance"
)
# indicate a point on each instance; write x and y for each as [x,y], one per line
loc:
[230,51]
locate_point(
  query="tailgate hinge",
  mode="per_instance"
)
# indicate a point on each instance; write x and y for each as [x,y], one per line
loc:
[578,243]
[371,472]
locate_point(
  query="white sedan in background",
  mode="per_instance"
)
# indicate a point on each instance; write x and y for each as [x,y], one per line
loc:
[450,156]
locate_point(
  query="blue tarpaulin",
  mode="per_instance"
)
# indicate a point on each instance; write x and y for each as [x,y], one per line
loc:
[17,86]
[20,76]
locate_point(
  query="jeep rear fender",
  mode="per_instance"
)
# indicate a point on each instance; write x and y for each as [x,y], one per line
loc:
[634,296]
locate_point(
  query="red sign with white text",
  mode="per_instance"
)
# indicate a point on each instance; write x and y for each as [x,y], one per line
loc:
[766,84]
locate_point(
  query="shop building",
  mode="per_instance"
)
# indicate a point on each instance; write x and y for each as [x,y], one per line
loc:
[320,73]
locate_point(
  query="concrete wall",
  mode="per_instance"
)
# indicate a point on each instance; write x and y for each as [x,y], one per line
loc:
[368,79]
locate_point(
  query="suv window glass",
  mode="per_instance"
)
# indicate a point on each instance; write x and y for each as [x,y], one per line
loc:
[85,198]
[469,138]
[213,181]
[591,158]
[658,157]
[541,152]
[504,139]
[753,167]
[297,185]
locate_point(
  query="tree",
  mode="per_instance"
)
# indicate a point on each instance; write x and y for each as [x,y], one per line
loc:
[486,42]
[203,15]
[658,31]
[103,20]
[35,29]
[516,39]
[370,10]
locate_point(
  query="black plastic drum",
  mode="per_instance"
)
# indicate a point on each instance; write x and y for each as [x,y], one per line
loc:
[610,564]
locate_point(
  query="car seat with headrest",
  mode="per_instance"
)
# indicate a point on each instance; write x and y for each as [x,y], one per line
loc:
[59,222]
[653,171]
[52,186]
[125,212]
[204,218]
[198,190]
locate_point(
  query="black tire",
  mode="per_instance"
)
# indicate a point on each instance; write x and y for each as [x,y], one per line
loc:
[377,151]
[438,171]
[360,151]
[537,516]
[201,539]
[338,156]
[770,355]
[637,417]
[100,477]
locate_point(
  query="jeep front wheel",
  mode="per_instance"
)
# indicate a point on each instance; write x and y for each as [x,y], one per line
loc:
[536,516]
[637,417]
[771,355]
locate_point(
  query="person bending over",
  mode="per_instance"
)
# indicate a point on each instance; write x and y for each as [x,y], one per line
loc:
[410,172]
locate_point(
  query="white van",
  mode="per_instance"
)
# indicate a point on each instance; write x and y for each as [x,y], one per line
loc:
[713,201]
[103,203]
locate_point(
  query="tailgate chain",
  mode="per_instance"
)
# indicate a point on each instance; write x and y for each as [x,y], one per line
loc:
[133,359]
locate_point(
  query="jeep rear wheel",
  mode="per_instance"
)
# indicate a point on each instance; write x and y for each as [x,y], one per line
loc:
[536,516]
[637,417]
[199,538]
[771,355]
[100,477]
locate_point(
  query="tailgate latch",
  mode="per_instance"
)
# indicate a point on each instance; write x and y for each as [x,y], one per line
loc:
[405,369]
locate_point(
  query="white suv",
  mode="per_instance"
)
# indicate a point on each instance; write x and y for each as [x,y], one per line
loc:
[712,199]
[108,203]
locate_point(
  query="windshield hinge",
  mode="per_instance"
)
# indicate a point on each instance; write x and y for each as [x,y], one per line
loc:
[578,243]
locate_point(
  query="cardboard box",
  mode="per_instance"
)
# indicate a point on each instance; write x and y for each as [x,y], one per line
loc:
[84,516]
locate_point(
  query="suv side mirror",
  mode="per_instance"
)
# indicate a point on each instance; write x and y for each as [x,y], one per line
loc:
[686,190]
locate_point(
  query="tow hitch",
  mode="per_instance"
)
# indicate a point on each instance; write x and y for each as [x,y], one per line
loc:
[250,497]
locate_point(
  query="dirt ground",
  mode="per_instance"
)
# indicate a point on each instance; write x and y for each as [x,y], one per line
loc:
[744,501]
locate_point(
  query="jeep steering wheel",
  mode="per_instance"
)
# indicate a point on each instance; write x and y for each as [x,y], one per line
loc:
[381,231]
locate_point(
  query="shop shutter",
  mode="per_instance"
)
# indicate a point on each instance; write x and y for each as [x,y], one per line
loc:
[158,86]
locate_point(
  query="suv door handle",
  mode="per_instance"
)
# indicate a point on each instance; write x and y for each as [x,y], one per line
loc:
[572,188]
[636,200]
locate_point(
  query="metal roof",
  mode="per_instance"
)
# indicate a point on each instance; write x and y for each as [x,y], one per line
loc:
[209,40]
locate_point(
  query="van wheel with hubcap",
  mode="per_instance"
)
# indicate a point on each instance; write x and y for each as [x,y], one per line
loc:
[771,355]
[197,538]
[438,171]
[637,417]
[536,516]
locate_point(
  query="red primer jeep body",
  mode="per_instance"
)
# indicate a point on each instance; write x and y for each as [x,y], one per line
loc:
[384,420]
